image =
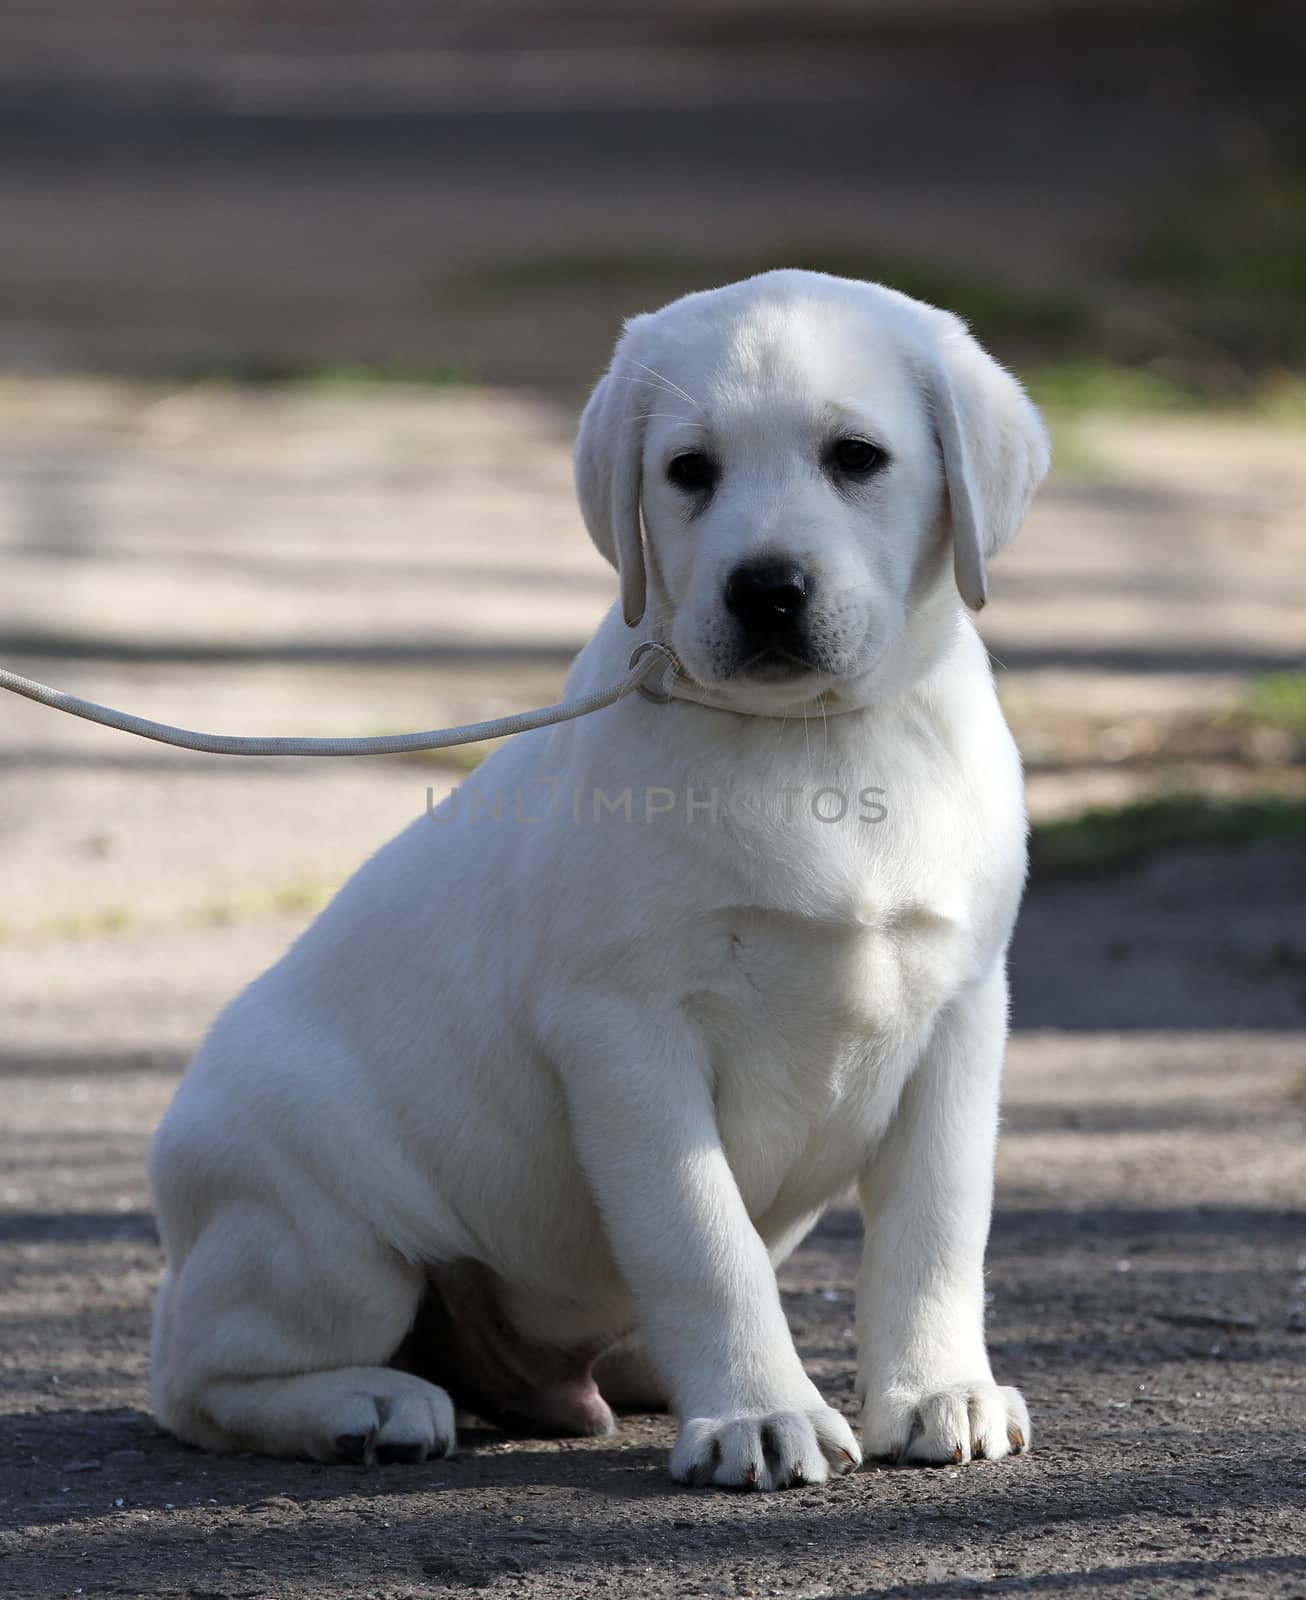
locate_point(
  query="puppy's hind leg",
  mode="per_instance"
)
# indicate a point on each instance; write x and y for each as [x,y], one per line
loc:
[358,1414]
[273,1337]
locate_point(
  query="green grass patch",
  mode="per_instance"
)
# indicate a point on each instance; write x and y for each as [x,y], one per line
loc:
[462,758]
[1087,386]
[1282,400]
[1241,234]
[1156,343]
[1104,840]
[287,899]
[1001,313]
[1226,264]
[74,925]
[1069,391]
[1079,386]
[1277,701]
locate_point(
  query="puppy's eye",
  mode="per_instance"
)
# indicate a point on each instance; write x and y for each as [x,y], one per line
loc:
[692,471]
[857,457]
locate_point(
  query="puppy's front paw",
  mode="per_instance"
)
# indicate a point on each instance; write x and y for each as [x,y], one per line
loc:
[946,1426]
[764,1450]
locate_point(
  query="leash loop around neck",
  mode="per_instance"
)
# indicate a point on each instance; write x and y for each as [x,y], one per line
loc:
[676,684]
[659,692]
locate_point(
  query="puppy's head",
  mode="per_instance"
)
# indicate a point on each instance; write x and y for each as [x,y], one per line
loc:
[797,475]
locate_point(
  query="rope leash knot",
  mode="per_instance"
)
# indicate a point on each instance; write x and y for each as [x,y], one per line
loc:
[654,670]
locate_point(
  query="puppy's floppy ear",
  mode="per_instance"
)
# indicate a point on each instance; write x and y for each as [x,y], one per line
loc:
[995,451]
[609,472]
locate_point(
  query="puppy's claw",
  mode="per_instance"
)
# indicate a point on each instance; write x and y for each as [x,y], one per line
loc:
[704,1471]
[777,1450]
[948,1426]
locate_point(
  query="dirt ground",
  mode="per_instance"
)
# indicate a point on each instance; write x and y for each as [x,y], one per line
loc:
[1146,1278]
[362,562]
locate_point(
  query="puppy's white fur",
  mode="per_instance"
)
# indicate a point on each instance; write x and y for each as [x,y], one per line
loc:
[622,1065]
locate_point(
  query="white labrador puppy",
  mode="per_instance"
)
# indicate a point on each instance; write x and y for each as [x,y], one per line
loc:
[570,1065]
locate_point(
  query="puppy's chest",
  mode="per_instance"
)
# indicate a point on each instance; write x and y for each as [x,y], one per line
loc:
[864,961]
[813,1024]
[811,1002]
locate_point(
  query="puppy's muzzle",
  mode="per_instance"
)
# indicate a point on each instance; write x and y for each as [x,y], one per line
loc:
[769,602]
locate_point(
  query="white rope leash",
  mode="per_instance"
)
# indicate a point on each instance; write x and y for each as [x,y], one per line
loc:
[649,658]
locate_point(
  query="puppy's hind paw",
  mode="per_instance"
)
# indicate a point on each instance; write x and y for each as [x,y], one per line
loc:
[390,1418]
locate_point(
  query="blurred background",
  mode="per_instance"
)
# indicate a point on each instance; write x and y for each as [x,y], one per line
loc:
[299,300]
[298,304]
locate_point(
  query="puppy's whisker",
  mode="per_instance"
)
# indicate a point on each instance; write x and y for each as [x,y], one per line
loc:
[648,383]
[670,382]
[663,608]
[663,388]
[622,377]
[917,612]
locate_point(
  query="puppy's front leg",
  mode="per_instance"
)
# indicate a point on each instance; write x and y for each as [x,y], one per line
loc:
[703,1286]
[927,1195]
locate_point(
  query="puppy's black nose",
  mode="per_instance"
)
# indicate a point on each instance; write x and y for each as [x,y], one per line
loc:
[767,597]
